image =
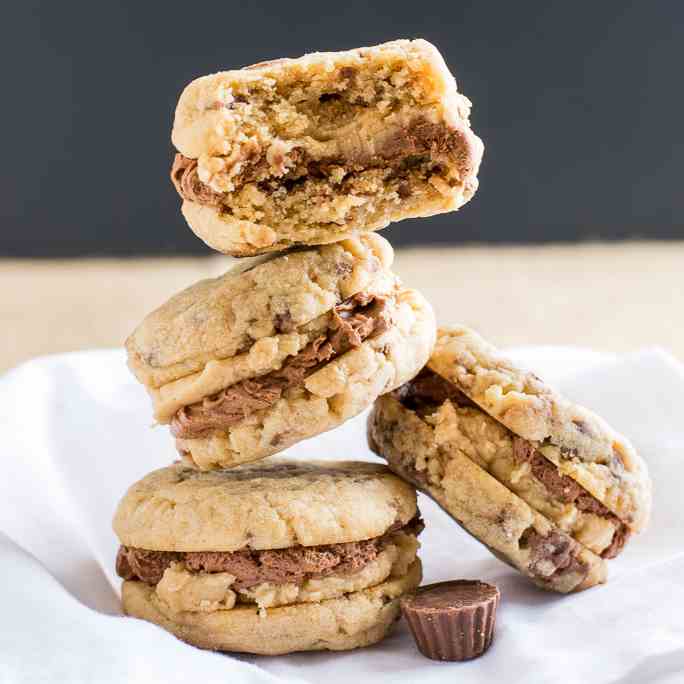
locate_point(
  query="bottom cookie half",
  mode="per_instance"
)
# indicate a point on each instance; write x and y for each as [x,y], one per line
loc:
[484,507]
[355,620]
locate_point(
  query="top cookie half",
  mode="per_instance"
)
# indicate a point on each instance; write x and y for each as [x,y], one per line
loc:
[311,150]
[579,443]
[276,504]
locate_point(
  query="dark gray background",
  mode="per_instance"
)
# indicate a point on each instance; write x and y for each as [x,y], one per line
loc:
[580,105]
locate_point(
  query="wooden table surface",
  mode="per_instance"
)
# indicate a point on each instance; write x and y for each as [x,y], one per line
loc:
[614,297]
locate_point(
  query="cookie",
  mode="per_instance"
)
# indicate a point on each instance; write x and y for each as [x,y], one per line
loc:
[312,150]
[243,559]
[460,424]
[248,364]
[221,318]
[277,503]
[353,621]
[546,427]
[412,445]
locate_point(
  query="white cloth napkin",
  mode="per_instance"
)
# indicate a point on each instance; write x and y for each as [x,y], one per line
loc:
[76,432]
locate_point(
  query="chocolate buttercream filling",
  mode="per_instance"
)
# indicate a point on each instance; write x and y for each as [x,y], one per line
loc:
[428,391]
[555,548]
[425,393]
[351,323]
[418,142]
[291,565]
[567,490]
[188,185]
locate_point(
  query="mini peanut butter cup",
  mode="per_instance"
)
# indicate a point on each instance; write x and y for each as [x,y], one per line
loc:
[452,620]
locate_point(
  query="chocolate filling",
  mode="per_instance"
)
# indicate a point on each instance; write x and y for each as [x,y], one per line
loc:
[416,143]
[553,547]
[425,393]
[356,319]
[277,566]
[188,185]
[565,489]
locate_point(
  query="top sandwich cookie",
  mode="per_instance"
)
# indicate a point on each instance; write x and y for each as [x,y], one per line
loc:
[245,365]
[310,150]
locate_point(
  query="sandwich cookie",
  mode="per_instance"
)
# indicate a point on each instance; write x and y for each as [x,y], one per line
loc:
[502,485]
[269,558]
[248,364]
[312,150]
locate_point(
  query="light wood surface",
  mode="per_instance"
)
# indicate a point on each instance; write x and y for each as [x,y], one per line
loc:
[607,297]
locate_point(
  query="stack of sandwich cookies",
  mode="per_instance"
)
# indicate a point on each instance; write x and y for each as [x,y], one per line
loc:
[272,557]
[248,364]
[545,484]
[312,150]
[230,549]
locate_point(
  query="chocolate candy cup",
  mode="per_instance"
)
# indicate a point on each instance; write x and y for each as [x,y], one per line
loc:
[452,620]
